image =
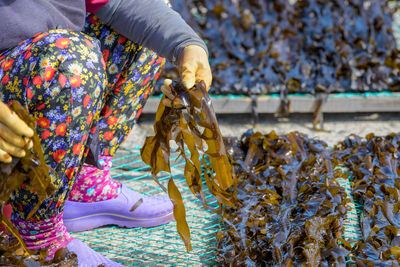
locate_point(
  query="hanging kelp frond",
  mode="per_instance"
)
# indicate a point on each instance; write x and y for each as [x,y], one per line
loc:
[194,128]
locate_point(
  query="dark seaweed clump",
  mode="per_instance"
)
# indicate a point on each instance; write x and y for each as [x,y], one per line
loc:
[375,165]
[303,46]
[292,208]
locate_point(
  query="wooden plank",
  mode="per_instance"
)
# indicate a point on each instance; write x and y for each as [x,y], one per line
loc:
[298,104]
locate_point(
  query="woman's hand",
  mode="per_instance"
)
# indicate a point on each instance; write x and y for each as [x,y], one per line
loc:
[15,135]
[193,67]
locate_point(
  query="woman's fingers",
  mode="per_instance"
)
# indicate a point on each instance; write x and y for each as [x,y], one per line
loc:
[170,99]
[166,89]
[4,157]
[13,122]
[204,74]
[13,139]
[188,74]
[15,135]
[193,66]
[10,149]
[28,143]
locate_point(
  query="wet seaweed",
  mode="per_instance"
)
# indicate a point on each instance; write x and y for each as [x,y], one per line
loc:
[194,127]
[33,173]
[287,186]
[375,167]
[292,208]
[296,46]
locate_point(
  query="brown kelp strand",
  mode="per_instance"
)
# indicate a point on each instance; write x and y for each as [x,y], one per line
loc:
[194,127]
[375,165]
[291,207]
[33,172]
[302,46]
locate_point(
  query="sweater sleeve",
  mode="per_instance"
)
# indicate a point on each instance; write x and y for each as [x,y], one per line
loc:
[150,23]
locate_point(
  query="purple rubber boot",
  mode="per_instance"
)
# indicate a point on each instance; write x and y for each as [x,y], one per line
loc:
[146,212]
[87,257]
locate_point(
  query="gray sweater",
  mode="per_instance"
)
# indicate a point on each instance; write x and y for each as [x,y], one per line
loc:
[150,23]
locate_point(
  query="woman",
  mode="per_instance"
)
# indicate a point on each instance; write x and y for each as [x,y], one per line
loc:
[86,84]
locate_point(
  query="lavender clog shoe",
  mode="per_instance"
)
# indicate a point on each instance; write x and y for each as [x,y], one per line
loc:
[153,211]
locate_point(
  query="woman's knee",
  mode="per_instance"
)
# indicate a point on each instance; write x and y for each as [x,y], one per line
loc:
[65,47]
[66,60]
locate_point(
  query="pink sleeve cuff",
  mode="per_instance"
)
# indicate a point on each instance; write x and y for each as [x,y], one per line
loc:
[94,5]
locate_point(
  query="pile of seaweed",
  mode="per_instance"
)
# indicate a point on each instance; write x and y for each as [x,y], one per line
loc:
[292,207]
[375,165]
[33,173]
[280,198]
[296,46]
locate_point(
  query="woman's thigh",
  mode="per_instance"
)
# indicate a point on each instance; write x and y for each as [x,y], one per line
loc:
[59,76]
[132,71]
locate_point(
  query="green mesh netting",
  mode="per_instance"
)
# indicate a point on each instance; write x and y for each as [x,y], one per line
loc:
[351,224]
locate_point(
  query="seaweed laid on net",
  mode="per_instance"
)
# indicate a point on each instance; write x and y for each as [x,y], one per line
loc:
[296,46]
[375,165]
[195,128]
[292,209]
[33,172]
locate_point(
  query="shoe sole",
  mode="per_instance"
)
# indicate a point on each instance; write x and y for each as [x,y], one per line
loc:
[92,221]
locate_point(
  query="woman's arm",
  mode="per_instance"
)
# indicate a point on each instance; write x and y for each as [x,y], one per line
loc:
[150,23]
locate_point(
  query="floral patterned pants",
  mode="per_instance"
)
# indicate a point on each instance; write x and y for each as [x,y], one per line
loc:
[86,91]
